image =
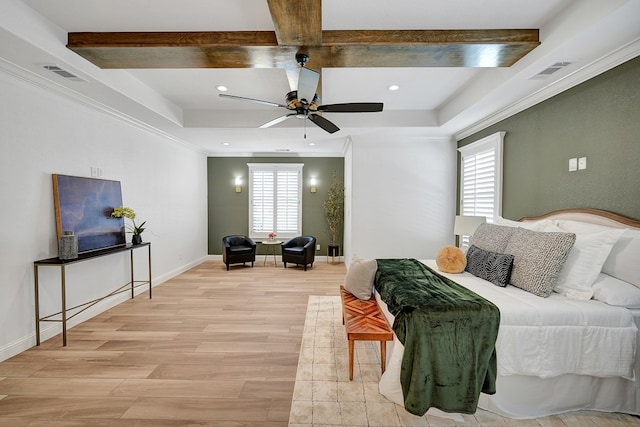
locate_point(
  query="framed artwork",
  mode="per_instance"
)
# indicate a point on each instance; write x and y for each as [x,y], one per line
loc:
[84,206]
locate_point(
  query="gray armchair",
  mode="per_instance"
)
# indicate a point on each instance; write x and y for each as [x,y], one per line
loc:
[238,249]
[299,250]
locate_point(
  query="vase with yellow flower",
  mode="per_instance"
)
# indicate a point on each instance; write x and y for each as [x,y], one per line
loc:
[135,229]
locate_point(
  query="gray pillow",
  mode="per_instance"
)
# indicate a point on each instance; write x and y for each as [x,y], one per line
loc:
[491,237]
[360,276]
[538,258]
[490,266]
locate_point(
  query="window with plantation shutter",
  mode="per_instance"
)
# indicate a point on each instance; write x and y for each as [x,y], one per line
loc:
[481,179]
[275,200]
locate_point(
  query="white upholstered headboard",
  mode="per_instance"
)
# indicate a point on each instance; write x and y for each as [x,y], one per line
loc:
[591,216]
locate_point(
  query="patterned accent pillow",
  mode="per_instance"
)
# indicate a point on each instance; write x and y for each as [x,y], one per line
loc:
[490,266]
[538,258]
[491,237]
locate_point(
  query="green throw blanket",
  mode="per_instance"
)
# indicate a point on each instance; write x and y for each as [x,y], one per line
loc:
[448,333]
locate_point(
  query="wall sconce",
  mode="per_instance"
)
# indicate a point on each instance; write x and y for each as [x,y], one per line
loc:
[238,185]
[313,185]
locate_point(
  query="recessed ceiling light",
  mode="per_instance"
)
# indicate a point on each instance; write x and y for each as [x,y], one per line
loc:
[221,88]
[393,87]
[225,143]
[312,144]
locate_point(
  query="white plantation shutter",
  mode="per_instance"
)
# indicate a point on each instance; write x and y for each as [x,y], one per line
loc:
[262,203]
[275,200]
[481,178]
[288,204]
[479,184]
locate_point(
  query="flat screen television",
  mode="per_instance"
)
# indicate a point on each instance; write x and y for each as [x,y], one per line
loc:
[84,206]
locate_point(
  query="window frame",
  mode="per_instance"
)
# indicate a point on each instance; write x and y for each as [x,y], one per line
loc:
[275,168]
[495,143]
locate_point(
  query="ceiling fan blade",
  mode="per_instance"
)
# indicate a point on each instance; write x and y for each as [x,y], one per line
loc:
[276,121]
[323,123]
[292,76]
[352,107]
[307,84]
[258,101]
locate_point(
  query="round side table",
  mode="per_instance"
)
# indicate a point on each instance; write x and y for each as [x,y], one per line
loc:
[271,246]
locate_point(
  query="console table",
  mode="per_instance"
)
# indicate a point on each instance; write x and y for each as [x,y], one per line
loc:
[62,263]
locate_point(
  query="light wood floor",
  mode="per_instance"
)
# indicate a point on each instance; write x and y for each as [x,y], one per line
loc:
[213,347]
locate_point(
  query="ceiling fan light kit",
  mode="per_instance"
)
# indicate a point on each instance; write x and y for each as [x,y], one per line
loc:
[293,102]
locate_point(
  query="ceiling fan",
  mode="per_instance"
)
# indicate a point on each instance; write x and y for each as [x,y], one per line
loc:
[304,102]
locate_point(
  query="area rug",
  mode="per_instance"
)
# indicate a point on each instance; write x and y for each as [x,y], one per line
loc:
[324,396]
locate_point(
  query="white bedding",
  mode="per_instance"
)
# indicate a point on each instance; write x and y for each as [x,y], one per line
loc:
[547,337]
[544,338]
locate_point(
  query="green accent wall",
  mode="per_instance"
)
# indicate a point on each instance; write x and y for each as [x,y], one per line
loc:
[598,119]
[229,211]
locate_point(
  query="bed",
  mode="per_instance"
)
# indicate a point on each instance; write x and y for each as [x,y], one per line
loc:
[577,348]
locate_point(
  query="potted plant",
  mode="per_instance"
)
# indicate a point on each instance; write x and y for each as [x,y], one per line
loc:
[334,212]
[135,229]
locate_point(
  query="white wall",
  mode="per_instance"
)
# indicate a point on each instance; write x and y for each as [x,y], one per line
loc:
[43,133]
[401,198]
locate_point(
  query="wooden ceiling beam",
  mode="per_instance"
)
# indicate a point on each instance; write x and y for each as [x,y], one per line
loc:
[469,56]
[246,49]
[171,39]
[297,22]
[428,37]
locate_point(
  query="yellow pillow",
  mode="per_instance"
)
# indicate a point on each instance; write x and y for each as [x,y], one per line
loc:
[451,259]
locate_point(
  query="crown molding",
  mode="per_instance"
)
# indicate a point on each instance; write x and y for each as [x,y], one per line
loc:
[595,68]
[51,86]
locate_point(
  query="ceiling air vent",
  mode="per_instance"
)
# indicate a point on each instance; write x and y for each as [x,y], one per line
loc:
[62,73]
[551,70]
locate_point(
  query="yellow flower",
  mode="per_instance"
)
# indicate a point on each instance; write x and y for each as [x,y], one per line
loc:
[124,212]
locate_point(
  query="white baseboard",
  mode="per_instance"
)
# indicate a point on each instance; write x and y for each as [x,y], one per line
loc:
[175,272]
[51,330]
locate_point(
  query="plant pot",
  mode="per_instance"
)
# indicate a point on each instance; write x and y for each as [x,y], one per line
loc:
[333,250]
[136,239]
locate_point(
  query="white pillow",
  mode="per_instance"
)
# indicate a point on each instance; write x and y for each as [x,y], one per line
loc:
[616,292]
[360,276]
[622,262]
[585,261]
[529,225]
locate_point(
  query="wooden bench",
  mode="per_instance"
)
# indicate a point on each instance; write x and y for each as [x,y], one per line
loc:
[364,321]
